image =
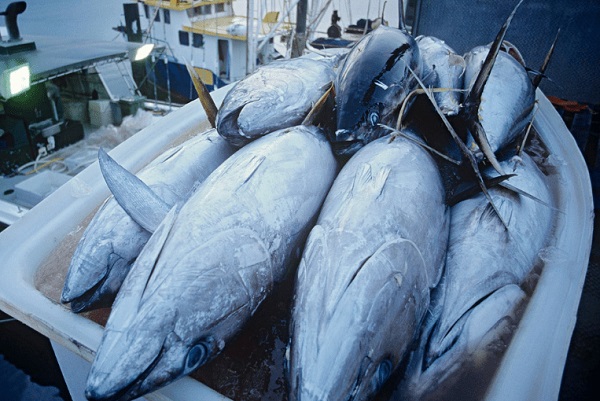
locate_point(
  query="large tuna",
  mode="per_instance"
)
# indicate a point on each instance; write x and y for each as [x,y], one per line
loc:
[507,99]
[372,83]
[364,279]
[209,265]
[113,240]
[486,264]
[277,95]
[443,69]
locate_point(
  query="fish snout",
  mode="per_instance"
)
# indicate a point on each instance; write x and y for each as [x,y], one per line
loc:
[344,135]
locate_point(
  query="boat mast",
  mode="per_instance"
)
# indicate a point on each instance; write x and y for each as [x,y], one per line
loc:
[250,36]
[300,39]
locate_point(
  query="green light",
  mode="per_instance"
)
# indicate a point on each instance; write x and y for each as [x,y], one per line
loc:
[19,80]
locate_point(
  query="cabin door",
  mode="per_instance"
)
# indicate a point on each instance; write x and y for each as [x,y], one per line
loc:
[223,45]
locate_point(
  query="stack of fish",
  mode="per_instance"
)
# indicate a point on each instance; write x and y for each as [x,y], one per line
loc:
[441,214]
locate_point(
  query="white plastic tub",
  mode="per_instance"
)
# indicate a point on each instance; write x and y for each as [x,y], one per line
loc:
[533,364]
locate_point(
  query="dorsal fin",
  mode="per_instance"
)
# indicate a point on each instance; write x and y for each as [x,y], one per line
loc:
[474,96]
[467,154]
[318,106]
[132,194]
[206,100]
[541,73]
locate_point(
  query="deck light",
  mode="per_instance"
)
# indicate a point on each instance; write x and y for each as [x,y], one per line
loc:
[143,52]
[14,81]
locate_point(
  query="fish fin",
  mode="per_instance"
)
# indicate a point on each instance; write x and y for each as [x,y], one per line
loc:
[318,106]
[208,104]
[473,98]
[251,167]
[132,194]
[471,189]
[463,148]
[481,138]
[534,198]
[365,178]
[541,73]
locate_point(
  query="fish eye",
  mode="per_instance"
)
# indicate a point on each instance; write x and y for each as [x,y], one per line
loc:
[197,355]
[384,371]
[374,118]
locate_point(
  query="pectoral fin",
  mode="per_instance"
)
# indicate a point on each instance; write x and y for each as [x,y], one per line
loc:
[132,194]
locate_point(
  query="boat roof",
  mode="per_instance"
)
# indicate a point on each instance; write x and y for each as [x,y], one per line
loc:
[221,27]
[55,56]
[180,5]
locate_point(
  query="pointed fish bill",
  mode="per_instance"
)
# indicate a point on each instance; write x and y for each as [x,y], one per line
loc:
[113,240]
[212,262]
[275,96]
[363,283]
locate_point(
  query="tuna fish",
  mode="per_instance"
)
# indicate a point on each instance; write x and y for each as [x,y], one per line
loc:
[507,99]
[371,85]
[211,263]
[275,96]
[475,309]
[364,279]
[113,239]
[442,68]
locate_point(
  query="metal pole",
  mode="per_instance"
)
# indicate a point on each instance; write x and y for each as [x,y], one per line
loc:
[300,40]
[250,44]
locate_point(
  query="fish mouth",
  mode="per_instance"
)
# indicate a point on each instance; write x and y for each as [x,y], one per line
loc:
[130,391]
[345,143]
[96,296]
[228,127]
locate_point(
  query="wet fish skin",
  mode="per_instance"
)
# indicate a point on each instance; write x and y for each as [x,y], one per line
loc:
[275,96]
[210,265]
[113,240]
[363,283]
[507,100]
[442,68]
[485,267]
[372,82]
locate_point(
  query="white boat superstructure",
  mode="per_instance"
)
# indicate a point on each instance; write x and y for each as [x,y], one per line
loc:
[223,47]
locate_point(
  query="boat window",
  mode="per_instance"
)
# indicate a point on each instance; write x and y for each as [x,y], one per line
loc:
[202,10]
[167,16]
[197,40]
[157,15]
[146,11]
[220,7]
[184,38]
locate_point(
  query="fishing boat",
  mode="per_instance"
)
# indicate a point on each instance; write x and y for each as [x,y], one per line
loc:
[222,46]
[53,93]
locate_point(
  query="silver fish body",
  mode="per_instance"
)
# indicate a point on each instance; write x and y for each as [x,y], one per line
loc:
[486,265]
[113,240]
[372,82]
[209,265]
[364,279]
[277,95]
[442,68]
[508,96]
